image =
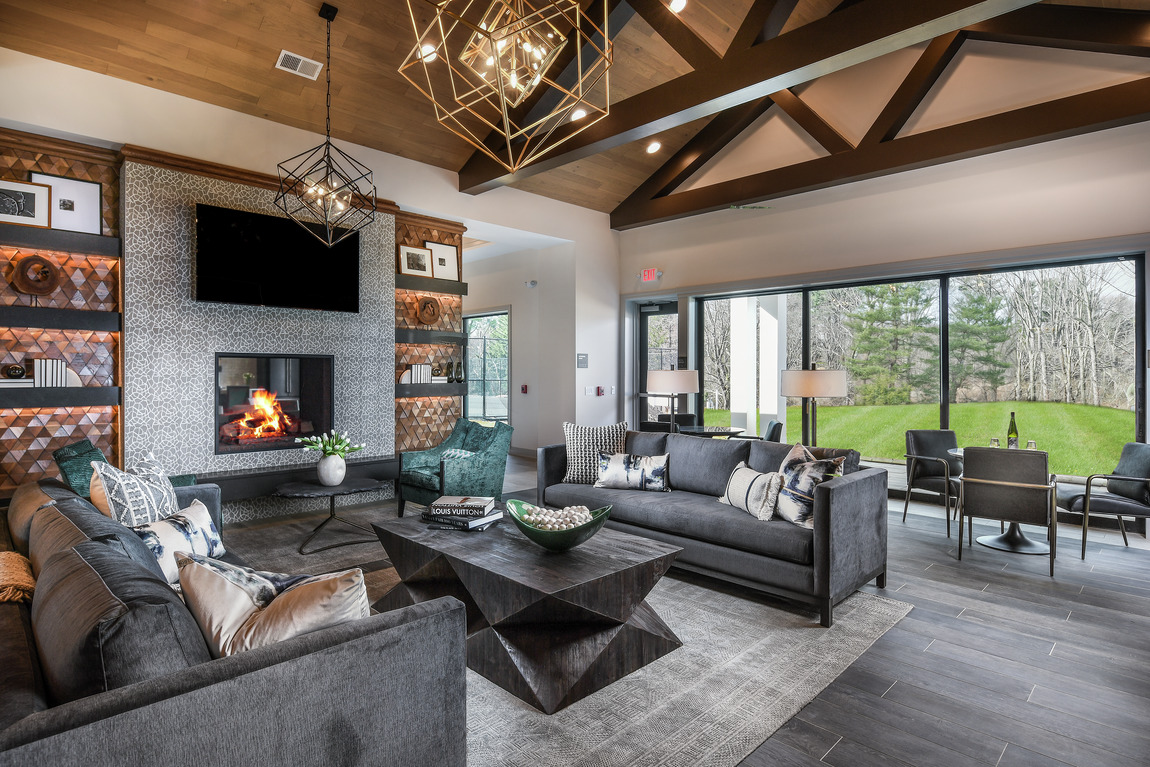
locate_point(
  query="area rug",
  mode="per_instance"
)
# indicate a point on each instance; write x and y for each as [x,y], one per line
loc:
[744,669]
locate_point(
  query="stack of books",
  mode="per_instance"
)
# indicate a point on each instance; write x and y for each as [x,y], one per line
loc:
[462,512]
[47,372]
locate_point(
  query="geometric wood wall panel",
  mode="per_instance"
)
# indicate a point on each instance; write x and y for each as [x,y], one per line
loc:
[87,282]
[410,354]
[90,353]
[90,164]
[423,422]
[407,311]
[29,436]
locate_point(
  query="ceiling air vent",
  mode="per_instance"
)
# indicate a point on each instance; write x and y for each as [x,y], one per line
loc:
[304,67]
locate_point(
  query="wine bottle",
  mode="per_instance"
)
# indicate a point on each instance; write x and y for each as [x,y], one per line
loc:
[1012,432]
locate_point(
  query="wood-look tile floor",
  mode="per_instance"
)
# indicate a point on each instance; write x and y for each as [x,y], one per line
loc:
[997,664]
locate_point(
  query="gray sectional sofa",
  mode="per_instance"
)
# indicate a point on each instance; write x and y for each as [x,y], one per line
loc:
[389,689]
[819,566]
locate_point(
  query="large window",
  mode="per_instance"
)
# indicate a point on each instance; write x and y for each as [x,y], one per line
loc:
[487,374]
[1057,345]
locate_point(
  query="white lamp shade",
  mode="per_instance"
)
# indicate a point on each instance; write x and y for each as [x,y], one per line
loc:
[673,381]
[813,383]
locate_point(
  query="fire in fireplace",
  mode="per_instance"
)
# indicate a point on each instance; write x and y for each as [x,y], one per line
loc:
[265,401]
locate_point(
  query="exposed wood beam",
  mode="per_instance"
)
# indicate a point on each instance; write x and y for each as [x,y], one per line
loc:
[1071,116]
[857,34]
[764,21]
[810,121]
[918,82]
[1075,28]
[699,150]
[675,33]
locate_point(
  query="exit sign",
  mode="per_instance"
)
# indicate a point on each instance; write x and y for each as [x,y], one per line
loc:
[650,275]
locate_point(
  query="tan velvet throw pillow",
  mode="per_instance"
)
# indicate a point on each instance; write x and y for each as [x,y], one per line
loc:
[239,609]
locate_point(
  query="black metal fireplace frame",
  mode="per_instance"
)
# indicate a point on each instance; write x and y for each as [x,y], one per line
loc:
[329,383]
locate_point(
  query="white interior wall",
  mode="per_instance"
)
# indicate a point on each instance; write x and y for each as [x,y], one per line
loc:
[45,97]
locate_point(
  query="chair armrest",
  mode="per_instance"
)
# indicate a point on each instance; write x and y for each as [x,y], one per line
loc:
[551,467]
[850,531]
[945,464]
[1093,477]
[338,695]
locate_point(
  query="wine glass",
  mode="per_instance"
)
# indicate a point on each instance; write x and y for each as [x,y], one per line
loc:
[994,441]
[1031,444]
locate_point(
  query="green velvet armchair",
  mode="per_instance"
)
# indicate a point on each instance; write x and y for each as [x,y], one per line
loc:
[471,461]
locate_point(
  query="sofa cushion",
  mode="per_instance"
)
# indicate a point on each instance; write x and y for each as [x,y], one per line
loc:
[702,465]
[21,686]
[585,443]
[752,491]
[102,621]
[633,472]
[26,501]
[191,531]
[75,463]
[72,521]
[140,495]
[239,609]
[694,516]
[768,456]
[645,443]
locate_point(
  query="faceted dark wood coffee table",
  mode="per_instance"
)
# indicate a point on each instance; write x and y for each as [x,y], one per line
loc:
[549,628]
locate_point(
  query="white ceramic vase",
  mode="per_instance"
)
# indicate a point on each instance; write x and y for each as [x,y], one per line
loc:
[331,469]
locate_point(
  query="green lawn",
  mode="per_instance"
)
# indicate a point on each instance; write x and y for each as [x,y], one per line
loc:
[1081,439]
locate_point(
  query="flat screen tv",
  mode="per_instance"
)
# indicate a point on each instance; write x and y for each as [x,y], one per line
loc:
[250,258]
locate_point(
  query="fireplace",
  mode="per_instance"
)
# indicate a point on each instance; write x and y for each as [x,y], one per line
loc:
[266,401]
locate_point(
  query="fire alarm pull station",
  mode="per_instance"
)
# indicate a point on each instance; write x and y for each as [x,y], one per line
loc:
[523,388]
[599,391]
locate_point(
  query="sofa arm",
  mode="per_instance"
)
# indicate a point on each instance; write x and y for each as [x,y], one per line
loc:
[850,532]
[386,690]
[551,465]
[207,494]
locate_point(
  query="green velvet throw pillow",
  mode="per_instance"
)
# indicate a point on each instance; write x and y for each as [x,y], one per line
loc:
[182,480]
[75,462]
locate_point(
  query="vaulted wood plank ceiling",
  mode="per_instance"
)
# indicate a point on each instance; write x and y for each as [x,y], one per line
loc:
[224,53]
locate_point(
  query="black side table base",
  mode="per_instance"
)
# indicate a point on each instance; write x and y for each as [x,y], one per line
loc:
[332,515]
[1014,541]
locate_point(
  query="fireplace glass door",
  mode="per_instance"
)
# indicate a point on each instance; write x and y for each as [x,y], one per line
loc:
[265,401]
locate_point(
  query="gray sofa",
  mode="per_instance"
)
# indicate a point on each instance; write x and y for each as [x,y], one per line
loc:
[819,566]
[386,690]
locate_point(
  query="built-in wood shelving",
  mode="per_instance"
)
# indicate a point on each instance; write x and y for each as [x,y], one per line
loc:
[58,319]
[59,396]
[430,389]
[416,336]
[430,284]
[19,236]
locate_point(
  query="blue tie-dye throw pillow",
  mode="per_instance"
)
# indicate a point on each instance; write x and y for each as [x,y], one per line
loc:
[801,475]
[632,472]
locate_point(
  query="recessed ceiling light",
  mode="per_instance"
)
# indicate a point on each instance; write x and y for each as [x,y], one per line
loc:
[428,51]
[653,147]
[678,5]
[579,114]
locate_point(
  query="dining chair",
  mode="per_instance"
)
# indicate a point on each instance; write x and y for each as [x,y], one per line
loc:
[1127,492]
[773,431]
[929,466]
[1008,485]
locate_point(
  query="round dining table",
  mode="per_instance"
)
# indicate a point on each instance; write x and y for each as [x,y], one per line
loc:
[1013,540]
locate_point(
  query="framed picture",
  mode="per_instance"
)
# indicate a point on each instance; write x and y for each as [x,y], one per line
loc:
[445,260]
[414,260]
[25,204]
[75,204]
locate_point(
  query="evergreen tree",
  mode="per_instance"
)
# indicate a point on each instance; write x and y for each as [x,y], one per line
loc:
[893,331]
[977,334]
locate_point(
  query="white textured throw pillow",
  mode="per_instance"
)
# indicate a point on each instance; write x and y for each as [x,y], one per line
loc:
[191,531]
[135,497]
[239,609]
[585,443]
[752,491]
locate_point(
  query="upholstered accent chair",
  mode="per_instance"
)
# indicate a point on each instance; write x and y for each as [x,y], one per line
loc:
[471,461]
[773,431]
[930,467]
[1013,486]
[1127,492]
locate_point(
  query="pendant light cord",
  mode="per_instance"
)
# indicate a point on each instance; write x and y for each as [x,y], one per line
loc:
[329,81]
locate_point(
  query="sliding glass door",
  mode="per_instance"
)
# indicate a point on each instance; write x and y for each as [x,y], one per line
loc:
[658,350]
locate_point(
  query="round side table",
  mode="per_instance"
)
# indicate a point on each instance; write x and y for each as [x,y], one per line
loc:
[316,490]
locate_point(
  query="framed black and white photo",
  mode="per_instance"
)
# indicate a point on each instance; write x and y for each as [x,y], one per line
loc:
[444,260]
[75,204]
[25,204]
[414,260]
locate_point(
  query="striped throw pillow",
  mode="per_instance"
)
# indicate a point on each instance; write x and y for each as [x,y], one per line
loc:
[752,491]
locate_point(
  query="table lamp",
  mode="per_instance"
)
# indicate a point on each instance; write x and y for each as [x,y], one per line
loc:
[811,384]
[673,382]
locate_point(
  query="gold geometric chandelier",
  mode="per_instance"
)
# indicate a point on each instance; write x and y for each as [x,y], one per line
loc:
[514,78]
